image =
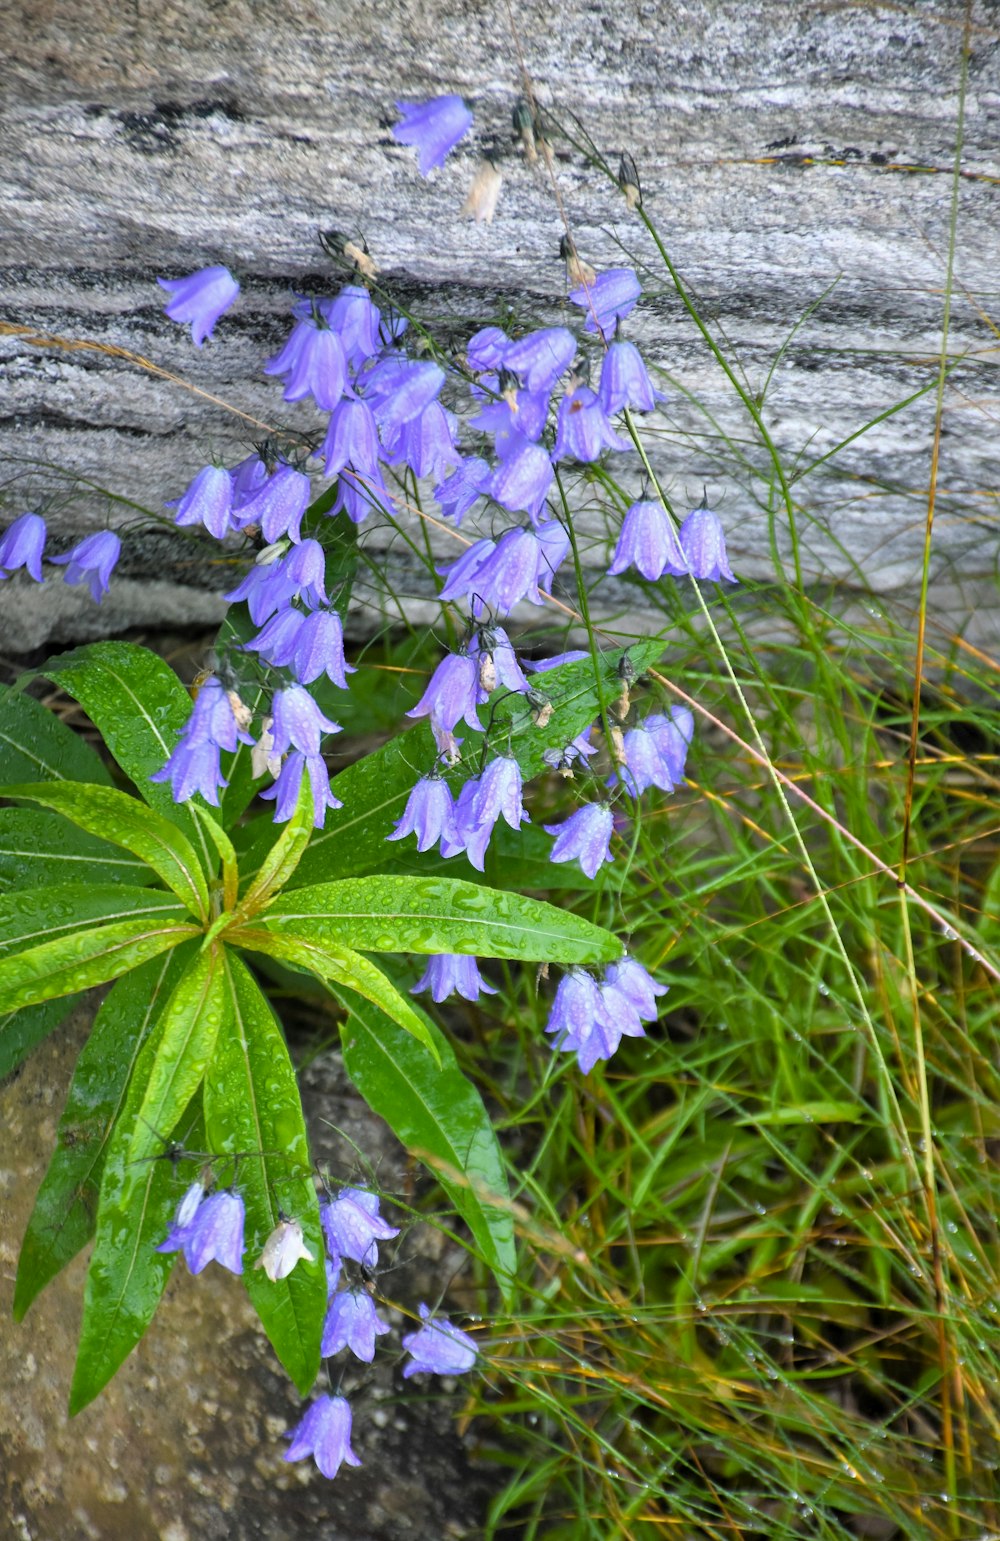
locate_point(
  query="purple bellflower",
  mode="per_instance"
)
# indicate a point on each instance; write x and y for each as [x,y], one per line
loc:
[21,545]
[648,541]
[353,1226]
[92,560]
[215,1234]
[541,357]
[274,581]
[426,443]
[630,979]
[276,641]
[522,480]
[579,748]
[313,358]
[429,814]
[580,1021]
[585,837]
[325,1434]
[498,795]
[509,573]
[319,649]
[704,546]
[451,696]
[285,791]
[645,763]
[200,298]
[673,734]
[278,504]
[450,973]
[432,128]
[460,576]
[352,1322]
[487,349]
[359,492]
[208,501]
[497,662]
[250,474]
[543,665]
[607,300]
[298,721]
[625,380]
[186,1211]
[462,488]
[402,393]
[438,1348]
[194,764]
[351,439]
[355,319]
[583,431]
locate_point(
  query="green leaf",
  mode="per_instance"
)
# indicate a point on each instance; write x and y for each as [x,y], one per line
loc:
[338,965]
[284,855]
[72,963]
[21,1031]
[188,1030]
[126,822]
[38,848]
[252,1105]
[63,1218]
[127,1275]
[224,846]
[140,707]
[440,1118]
[36,745]
[437,915]
[63,908]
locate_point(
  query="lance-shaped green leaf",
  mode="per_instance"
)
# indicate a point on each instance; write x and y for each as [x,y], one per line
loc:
[62,909]
[252,1105]
[37,849]
[21,1031]
[338,965]
[283,857]
[439,1116]
[62,1220]
[127,1274]
[224,846]
[188,1030]
[437,915]
[36,745]
[140,707]
[72,963]
[126,822]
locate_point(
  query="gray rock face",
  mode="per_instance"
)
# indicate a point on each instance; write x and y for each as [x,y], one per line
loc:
[797,161]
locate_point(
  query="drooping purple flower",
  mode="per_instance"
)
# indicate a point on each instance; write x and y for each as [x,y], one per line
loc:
[673,733]
[461,575]
[452,974]
[498,795]
[543,665]
[283,1249]
[522,480]
[457,494]
[92,560]
[703,543]
[429,814]
[438,1348]
[625,380]
[21,545]
[607,300]
[464,820]
[285,791]
[541,357]
[648,541]
[553,544]
[636,983]
[314,361]
[194,764]
[576,1007]
[186,1211]
[517,415]
[215,1233]
[200,298]
[298,721]
[319,649]
[353,1226]
[250,474]
[409,388]
[487,349]
[208,501]
[275,580]
[497,662]
[325,1434]
[359,493]
[355,319]
[432,128]
[645,764]
[451,696]
[583,431]
[352,1322]
[351,438]
[584,837]
[276,641]
[509,573]
[426,443]
[278,504]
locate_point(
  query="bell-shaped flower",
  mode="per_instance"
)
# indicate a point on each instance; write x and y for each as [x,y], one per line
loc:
[438,1348]
[278,505]
[703,543]
[645,763]
[494,654]
[462,488]
[351,438]
[452,974]
[353,1226]
[636,983]
[673,733]
[426,443]
[274,581]
[584,837]
[208,501]
[92,560]
[509,573]
[355,319]
[282,1250]
[625,380]
[200,298]
[432,128]
[360,493]
[186,1211]
[21,545]
[461,576]
[406,392]
[541,357]
[607,300]
[583,431]
[276,641]
[498,795]
[314,361]
[319,649]
[517,415]
[325,1434]
[429,814]
[285,791]
[352,1322]
[298,721]
[648,541]
[487,349]
[581,1022]
[250,474]
[215,1234]
[194,765]
[451,696]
